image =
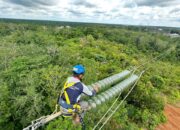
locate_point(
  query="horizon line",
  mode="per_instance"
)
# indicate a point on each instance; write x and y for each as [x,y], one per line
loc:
[51,20]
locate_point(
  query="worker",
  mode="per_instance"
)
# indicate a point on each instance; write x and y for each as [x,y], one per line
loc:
[70,98]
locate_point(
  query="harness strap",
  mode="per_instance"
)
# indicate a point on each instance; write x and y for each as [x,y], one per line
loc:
[67,85]
[67,97]
[70,108]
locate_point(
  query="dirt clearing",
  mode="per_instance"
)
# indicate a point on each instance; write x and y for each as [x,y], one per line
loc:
[173,118]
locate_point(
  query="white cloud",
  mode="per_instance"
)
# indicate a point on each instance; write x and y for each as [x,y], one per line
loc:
[160,12]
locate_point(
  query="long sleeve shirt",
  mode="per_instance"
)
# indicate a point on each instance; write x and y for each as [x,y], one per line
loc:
[74,92]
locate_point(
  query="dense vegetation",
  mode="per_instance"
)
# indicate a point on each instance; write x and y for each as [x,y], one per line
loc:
[37,58]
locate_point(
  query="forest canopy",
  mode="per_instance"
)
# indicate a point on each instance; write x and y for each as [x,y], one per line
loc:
[37,57]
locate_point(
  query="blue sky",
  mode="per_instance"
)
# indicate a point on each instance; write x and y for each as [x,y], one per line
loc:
[133,12]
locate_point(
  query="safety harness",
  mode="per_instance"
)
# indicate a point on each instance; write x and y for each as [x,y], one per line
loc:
[76,106]
[72,109]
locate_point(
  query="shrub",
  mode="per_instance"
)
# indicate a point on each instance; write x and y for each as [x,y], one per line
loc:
[158,81]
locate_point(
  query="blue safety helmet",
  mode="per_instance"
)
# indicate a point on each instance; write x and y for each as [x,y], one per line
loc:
[78,69]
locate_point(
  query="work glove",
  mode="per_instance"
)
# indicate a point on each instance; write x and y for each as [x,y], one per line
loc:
[96,88]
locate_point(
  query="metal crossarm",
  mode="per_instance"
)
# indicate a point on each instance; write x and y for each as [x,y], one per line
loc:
[42,120]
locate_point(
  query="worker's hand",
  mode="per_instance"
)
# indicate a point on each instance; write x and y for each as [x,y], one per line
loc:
[96,88]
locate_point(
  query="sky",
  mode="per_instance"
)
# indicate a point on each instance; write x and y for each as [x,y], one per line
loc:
[128,12]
